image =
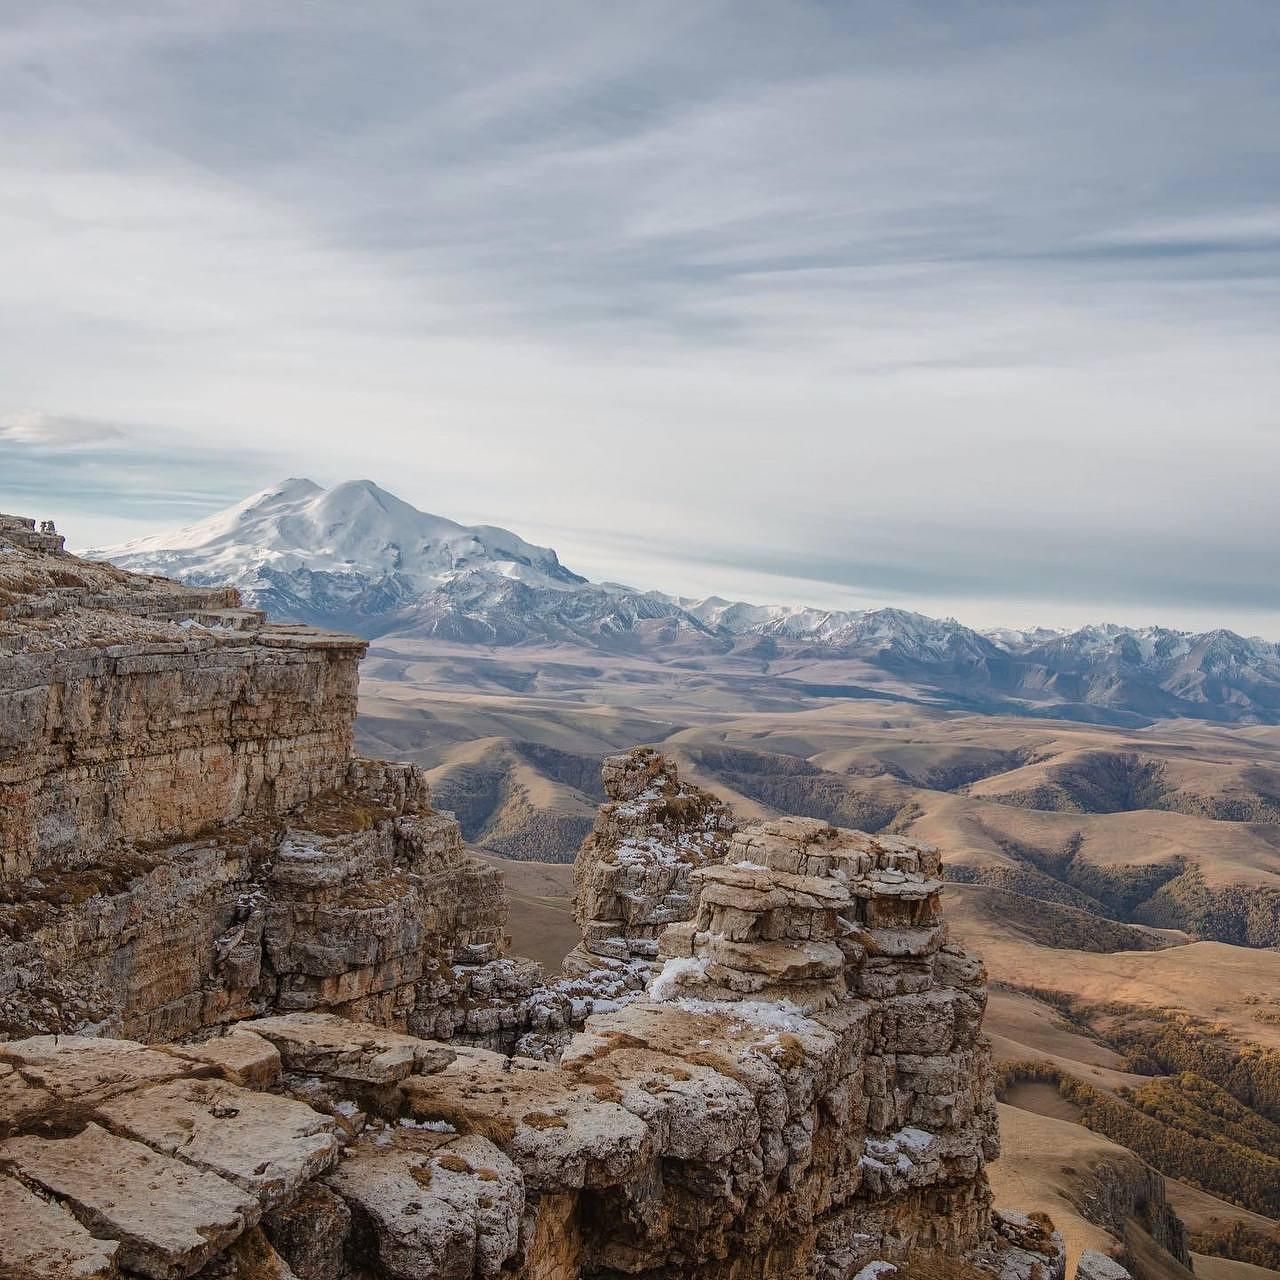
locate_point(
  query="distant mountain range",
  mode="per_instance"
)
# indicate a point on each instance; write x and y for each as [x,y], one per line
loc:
[358,558]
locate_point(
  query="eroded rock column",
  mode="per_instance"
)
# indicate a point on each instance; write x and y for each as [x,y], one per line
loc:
[633,875]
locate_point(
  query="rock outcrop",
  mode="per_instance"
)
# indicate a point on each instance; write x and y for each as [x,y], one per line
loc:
[1093,1265]
[294,1021]
[634,873]
[670,1141]
[801,912]
[187,839]
[1124,1193]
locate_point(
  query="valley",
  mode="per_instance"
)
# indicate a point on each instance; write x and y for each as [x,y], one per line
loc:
[1121,885]
[1107,802]
[1167,827]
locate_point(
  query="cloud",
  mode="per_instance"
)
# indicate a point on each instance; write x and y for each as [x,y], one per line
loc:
[901,300]
[94,476]
[53,432]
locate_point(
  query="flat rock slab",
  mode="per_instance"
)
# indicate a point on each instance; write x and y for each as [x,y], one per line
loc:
[265,1144]
[323,1044]
[905,942]
[788,961]
[40,1240]
[438,1211]
[911,888]
[86,1070]
[169,1217]
[561,1130]
[240,1056]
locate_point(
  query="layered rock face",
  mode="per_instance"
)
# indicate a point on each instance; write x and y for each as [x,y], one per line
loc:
[684,1137]
[634,873]
[288,983]
[802,912]
[186,839]
[134,709]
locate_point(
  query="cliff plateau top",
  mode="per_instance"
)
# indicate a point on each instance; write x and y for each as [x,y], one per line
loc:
[51,600]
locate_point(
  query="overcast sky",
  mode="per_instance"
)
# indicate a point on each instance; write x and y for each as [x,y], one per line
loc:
[973,308]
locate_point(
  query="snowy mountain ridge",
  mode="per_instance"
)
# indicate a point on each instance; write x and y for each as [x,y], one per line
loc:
[357,557]
[352,556]
[354,527]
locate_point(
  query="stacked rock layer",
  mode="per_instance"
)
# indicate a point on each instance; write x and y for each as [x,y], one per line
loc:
[186,839]
[800,911]
[634,873]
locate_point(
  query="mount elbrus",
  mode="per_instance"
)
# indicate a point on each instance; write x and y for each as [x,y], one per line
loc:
[358,558]
[257,1019]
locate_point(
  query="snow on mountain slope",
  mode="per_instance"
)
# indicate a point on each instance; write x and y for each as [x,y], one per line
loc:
[887,634]
[359,558]
[354,527]
[353,555]
[1016,639]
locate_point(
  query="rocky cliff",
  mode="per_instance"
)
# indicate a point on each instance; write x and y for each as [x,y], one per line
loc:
[187,839]
[293,1028]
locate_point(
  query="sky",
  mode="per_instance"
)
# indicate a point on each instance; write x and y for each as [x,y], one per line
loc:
[966,307]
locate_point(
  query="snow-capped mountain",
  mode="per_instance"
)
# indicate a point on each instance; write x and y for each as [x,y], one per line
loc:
[1016,639]
[353,556]
[909,635]
[1156,671]
[359,558]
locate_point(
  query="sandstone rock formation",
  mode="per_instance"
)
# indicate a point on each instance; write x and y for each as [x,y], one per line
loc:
[672,1141]
[634,874]
[186,838]
[798,903]
[295,1021]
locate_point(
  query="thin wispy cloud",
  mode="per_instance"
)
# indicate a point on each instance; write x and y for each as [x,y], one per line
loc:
[52,432]
[971,305]
[106,479]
